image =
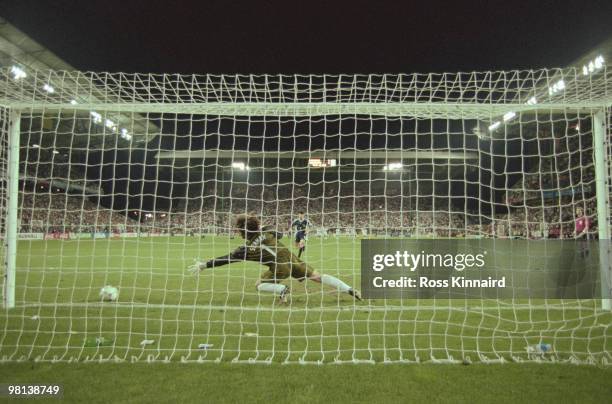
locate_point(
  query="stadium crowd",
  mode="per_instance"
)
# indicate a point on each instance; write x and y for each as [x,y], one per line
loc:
[59,212]
[543,203]
[360,214]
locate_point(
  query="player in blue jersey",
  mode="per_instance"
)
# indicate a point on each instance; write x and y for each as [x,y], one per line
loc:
[300,225]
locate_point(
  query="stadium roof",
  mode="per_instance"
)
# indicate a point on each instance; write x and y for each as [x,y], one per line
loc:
[591,68]
[19,50]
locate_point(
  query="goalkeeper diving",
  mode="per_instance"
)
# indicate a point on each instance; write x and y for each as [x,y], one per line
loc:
[262,245]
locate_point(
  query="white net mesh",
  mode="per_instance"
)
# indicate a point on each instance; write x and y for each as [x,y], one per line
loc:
[125,178]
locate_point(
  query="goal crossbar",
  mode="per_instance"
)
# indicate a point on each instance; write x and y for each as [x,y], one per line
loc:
[425,110]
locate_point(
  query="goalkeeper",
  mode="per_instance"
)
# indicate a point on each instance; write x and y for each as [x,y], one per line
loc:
[262,245]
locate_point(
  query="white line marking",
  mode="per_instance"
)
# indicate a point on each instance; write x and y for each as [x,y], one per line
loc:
[296,308]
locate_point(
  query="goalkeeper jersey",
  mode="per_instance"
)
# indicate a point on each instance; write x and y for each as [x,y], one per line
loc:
[262,247]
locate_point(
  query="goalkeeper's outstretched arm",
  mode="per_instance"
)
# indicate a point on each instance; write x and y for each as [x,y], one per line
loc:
[239,254]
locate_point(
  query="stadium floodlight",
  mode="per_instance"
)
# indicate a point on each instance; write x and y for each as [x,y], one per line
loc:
[321,163]
[55,152]
[18,72]
[393,167]
[96,117]
[110,124]
[48,88]
[593,65]
[125,134]
[555,88]
[494,126]
[509,115]
[238,165]
[73,102]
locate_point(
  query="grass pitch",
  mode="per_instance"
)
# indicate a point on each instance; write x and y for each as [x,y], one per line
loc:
[58,310]
[221,383]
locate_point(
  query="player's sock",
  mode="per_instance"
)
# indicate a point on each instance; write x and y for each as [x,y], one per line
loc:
[275,288]
[335,283]
[300,252]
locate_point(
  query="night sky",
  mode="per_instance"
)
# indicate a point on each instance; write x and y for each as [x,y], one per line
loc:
[312,36]
[302,37]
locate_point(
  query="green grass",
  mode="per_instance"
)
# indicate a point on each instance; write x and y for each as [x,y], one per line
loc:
[174,382]
[58,309]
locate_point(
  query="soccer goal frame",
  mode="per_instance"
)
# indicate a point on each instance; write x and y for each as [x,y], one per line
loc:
[421,96]
[488,101]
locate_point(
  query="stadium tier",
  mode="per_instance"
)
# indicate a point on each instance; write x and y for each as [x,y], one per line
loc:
[114,183]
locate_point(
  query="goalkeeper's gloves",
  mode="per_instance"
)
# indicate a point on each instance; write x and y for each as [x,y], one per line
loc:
[196,267]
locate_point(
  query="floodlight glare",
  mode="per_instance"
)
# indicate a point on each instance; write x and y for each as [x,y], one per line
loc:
[393,167]
[97,118]
[509,115]
[558,86]
[48,89]
[18,73]
[125,135]
[238,165]
[494,126]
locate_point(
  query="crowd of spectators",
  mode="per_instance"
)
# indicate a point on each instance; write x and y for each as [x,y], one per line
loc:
[59,212]
[542,204]
[358,215]
[564,167]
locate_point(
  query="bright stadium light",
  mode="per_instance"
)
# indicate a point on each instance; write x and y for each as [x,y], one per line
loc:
[509,115]
[494,126]
[321,163]
[97,118]
[238,165]
[73,102]
[558,86]
[532,101]
[593,65]
[393,167]
[48,89]
[18,73]
[55,152]
[109,124]
[125,134]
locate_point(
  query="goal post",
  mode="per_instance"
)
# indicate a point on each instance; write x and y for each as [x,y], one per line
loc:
[603,205]
[10,220]
[114,183]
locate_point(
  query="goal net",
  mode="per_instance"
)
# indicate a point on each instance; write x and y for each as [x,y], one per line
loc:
[122,180]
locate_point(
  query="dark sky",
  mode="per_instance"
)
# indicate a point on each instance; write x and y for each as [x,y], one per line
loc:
[377,36]
[210,36]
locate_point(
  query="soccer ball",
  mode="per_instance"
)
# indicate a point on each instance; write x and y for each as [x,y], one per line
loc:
[109,293]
